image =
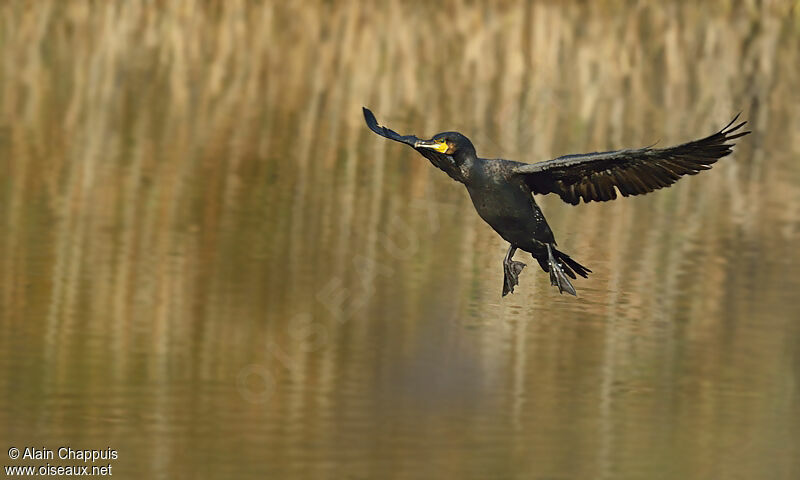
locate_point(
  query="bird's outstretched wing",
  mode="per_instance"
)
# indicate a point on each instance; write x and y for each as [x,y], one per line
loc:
[439,160]
[372,123]
[597,176]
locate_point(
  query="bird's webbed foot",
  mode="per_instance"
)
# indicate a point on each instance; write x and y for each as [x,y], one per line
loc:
[511,270]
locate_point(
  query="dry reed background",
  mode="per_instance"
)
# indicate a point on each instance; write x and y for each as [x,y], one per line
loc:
[187,182]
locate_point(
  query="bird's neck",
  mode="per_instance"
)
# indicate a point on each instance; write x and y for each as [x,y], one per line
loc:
[464,163]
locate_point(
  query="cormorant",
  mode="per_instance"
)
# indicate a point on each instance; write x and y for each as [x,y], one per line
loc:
[501,190]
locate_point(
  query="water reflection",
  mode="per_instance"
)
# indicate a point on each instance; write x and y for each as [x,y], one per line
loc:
[188,279]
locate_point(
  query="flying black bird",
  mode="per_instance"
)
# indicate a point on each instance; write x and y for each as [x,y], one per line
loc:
[501,190]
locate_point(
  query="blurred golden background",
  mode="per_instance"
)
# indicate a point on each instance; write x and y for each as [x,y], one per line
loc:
[211,265]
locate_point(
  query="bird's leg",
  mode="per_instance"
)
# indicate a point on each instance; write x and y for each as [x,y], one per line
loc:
[557,276]
[511,270]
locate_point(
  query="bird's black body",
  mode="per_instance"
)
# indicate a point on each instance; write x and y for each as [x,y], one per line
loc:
[504,201]
[502,190]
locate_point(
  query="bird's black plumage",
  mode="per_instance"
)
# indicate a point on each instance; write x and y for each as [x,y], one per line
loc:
[597,176]
[439,160]
[501,190]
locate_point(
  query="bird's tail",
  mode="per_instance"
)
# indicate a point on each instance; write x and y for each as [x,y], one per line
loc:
[560,265]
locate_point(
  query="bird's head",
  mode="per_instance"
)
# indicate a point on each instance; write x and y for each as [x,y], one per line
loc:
[450,143]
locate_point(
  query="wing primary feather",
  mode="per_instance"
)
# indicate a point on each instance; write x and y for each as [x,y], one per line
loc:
[732,122]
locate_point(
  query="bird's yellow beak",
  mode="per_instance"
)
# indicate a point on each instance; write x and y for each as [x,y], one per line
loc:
[439,145]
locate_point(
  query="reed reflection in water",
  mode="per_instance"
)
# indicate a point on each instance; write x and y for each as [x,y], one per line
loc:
[211,265]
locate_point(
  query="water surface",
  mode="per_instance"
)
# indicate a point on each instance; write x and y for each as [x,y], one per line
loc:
[210,265]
